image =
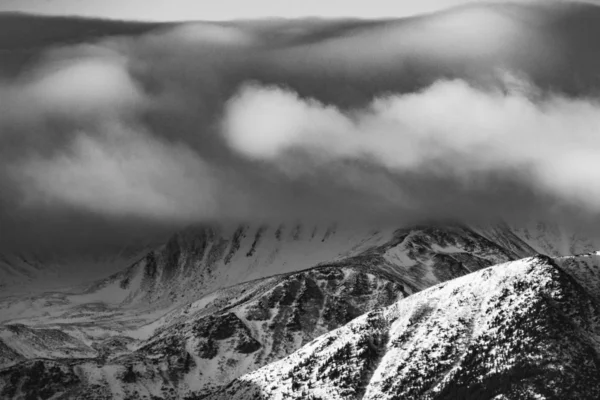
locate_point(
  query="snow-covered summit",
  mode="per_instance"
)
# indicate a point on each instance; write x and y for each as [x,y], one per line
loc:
[520,330]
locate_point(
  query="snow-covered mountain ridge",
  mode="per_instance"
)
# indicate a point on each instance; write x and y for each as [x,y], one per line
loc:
[521,330]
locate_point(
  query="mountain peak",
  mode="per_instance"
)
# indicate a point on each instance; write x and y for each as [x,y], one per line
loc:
[500,331]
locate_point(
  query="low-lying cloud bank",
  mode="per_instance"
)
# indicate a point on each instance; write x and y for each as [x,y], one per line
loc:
[304,120]
[450,130]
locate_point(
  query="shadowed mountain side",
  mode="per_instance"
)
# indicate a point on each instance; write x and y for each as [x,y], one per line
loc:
[209,342]
[202,259]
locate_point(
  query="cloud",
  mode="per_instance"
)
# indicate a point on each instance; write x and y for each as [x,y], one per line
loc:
[370,121]
[77,82]
[450,131]
[121,171]
[72,136]
[83,87]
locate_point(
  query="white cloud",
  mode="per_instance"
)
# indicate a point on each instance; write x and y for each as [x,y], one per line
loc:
[450,130]
[85,86]
[79,83]
[122,171]
[104,159]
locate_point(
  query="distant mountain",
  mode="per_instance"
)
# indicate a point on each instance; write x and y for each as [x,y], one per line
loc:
[521,330]
[35,272]
[202,259]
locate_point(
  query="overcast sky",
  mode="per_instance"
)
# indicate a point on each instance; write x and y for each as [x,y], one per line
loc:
[168,10]
[476,114]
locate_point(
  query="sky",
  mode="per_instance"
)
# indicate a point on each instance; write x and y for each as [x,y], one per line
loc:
[177,10]
[475,115]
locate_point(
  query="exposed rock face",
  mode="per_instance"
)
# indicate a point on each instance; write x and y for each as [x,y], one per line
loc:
[521,330]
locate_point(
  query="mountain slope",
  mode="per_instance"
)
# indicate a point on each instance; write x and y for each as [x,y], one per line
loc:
[192,264]
[220,337]
[522,330]
[264,323]
[214,304]
[199,260]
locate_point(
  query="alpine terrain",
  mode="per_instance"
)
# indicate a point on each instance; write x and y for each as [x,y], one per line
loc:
[323,311]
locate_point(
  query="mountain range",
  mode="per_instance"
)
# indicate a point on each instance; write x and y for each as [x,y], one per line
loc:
[297,311]
[115,135]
